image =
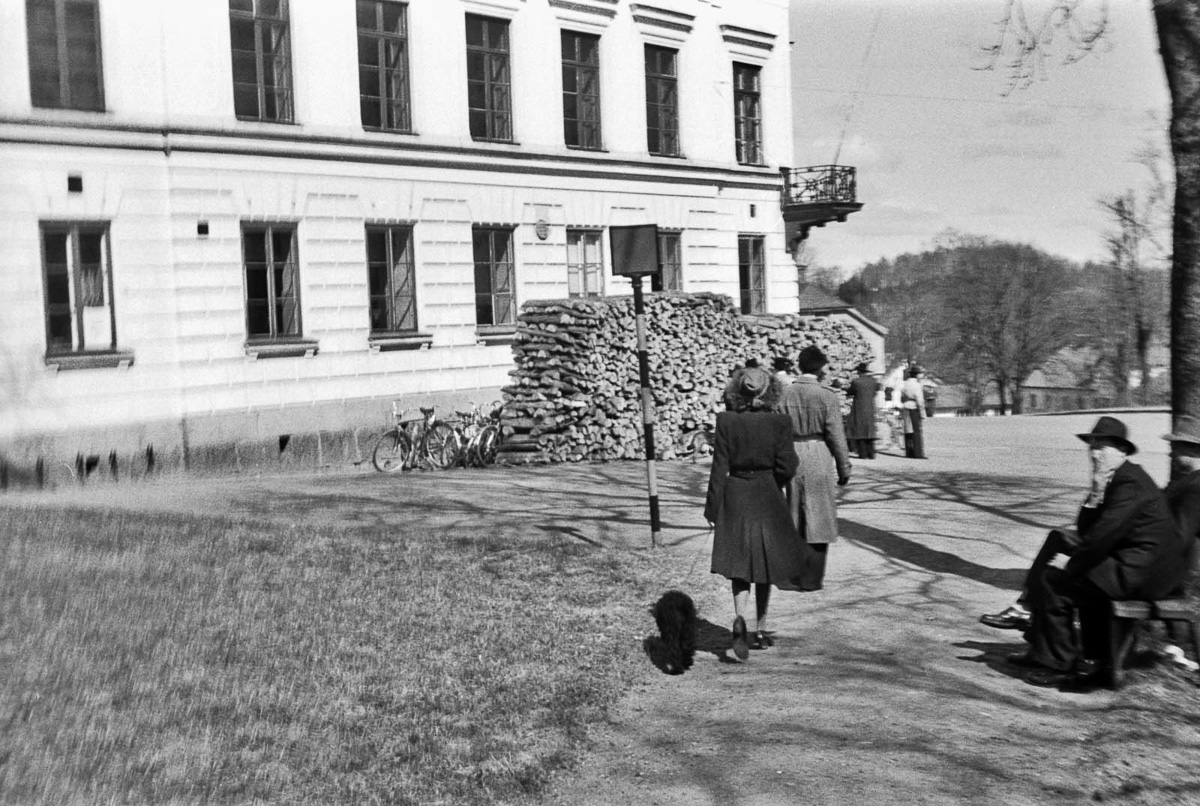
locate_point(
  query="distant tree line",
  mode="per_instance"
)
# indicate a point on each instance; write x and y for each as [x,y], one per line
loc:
[986,313]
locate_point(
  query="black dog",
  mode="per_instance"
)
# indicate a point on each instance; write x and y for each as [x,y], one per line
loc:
[675,614]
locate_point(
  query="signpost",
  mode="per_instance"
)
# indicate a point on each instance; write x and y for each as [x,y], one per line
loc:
[635,255]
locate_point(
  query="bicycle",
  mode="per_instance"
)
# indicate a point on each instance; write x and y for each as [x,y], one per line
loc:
[889,429]
[697,443]
[480,433]
[416,442]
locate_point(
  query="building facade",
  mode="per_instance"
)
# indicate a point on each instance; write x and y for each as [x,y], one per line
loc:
[228,220]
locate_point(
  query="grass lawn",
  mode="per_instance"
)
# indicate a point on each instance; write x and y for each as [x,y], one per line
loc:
[149,658]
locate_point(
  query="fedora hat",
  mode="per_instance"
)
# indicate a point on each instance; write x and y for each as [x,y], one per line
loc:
[1113,429]
[1187,429]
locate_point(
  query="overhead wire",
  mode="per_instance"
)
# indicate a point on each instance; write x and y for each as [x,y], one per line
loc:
[863,74]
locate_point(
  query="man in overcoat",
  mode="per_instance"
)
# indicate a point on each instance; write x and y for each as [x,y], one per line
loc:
[1126,547]
[819,438]
[860,425]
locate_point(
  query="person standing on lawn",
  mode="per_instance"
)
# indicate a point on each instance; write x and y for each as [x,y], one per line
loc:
[819,438]
[912,407]
[754,538]
[860,425]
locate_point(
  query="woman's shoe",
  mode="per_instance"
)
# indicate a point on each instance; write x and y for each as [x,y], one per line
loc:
[761,640]
[741,645]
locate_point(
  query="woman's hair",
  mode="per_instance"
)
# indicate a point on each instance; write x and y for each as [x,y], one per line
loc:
[753,389]
[912,372]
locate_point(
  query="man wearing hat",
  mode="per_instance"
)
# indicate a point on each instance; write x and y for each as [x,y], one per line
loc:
[1125,547]
[819,437]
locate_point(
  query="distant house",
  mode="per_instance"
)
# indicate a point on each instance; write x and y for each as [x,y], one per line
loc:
[815,301]
[1063,383]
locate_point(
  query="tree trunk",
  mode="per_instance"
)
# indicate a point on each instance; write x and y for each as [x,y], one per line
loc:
[1178,24]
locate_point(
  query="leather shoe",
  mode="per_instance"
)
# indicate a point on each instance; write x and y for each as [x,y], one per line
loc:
[741,645]
[1010,619]
[1083,682]
[760,640]
[1024,659]
[1047,678]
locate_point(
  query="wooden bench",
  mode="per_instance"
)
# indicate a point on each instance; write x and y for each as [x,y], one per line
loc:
[1123,627]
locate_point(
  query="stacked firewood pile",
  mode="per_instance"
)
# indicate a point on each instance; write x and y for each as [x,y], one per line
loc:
[575,392]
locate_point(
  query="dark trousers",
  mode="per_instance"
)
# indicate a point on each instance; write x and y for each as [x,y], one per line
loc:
[865,448]
[1055,598]
[1058,541]
[914,440]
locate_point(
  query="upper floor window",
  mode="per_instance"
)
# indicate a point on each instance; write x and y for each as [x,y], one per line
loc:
[489,79]
[272,281]
[383,90]
[64,54]
[671,260]
[747,113]
[581,89]
[78,282]
[262,59]
[752,274]
[495,276]
[391,276]
[662,101]
[583,263]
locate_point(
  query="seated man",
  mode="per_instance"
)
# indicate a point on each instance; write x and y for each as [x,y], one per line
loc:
[1126,547]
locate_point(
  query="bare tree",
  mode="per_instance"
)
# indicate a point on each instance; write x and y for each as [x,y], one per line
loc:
[1023,45]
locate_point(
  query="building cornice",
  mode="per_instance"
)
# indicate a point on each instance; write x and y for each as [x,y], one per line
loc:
[291,144]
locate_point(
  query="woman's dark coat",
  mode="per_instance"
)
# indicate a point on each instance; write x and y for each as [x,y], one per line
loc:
[755,538]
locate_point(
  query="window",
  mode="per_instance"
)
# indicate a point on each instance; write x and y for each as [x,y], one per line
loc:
[383,91]
[747,113]
[64,54]
[262,69]
[489,85]
[495,277]
[581,89]
[391,276]
[79,288]
[671,261]
[583,263]
[272,281]
[752,274]
[662,101]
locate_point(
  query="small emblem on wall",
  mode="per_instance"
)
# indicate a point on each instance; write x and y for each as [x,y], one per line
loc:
[542,229]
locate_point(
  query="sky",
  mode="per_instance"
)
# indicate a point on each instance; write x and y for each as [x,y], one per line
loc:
[889,87]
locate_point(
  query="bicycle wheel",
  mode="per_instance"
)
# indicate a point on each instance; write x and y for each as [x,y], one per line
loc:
[485,446]
[391,451]
[443,445]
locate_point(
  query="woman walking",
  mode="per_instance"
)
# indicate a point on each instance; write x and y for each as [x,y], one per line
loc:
[755,537]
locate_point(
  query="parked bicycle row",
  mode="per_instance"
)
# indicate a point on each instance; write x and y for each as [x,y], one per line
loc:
[428,442]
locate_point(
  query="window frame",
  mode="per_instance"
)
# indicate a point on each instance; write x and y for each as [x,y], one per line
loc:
[585,270]
[587,134]
[497,109]
[272,300]
[662,94]
[283,92]
[72,229]
[408,265]
[752,273]
[493,266]
[670,258]
[747,113]
[396,105]
[68,73]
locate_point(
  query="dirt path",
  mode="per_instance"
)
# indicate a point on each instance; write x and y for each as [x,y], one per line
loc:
[882,689]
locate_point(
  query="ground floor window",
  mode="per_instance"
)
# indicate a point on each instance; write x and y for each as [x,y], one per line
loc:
[272,281]
[495,276]
[77,275]
[583,263]
[752,274]
[670,260]
[391,276]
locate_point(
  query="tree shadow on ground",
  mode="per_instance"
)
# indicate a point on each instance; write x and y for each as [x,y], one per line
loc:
[941,562]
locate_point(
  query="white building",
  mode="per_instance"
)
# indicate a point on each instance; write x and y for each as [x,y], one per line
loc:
[228,220]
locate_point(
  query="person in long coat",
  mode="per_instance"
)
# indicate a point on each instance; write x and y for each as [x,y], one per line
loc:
[819,439]
[860,425]
[754,539]
[912,406]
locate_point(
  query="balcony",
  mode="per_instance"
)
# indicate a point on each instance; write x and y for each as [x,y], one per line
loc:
[815,195]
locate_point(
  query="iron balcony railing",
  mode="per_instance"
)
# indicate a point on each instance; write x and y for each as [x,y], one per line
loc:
[816,184]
